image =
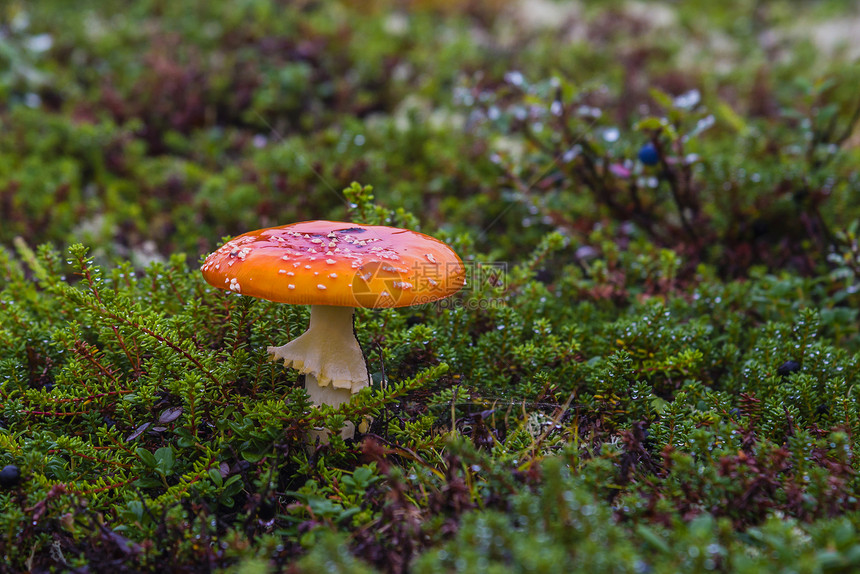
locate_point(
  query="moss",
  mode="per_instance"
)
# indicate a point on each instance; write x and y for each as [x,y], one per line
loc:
[654,365]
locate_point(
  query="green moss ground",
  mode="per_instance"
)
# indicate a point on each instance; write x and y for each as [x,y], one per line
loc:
[654,367]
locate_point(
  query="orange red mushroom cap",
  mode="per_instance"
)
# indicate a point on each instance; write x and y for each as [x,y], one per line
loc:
[336,263]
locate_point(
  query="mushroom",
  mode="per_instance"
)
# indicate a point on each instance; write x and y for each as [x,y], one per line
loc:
[334,267]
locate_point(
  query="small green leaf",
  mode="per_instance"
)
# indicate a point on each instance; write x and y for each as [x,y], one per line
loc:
[662,98]
[165,459]
[216,477]
[650,124]
[233,485]
[148,483]
[728,116]
[650,537]
[185,439]
[147,457]
[252,456]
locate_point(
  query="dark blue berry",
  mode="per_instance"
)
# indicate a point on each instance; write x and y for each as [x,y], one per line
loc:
[787,368]
[9,476]
[648,154]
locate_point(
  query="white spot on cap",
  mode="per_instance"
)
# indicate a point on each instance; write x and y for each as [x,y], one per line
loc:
[430,258]
[330,261]
[281,271]
[291,286]
[322,287]
[307,266]
[316,240]
[290,273]
[333,275]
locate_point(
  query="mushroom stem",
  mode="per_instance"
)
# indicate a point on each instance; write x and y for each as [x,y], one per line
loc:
[329,356]
[327,396]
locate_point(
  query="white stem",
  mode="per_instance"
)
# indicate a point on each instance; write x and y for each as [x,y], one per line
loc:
[328,350]
[328,395]
[329,356]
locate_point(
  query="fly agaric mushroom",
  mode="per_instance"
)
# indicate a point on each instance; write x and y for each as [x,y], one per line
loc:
[334,267]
